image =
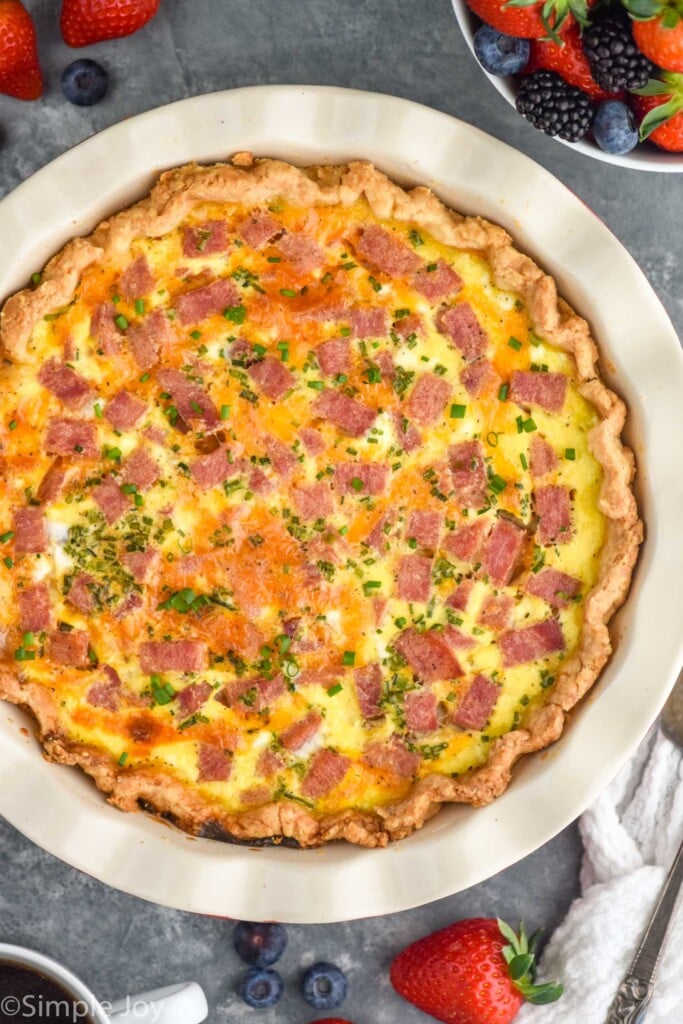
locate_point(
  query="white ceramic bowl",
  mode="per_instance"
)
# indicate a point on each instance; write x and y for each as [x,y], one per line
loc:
[643,158]
[59,808]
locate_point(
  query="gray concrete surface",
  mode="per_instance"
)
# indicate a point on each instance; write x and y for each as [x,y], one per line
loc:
[412,49]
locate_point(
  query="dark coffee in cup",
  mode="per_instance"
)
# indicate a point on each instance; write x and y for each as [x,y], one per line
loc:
[27,994]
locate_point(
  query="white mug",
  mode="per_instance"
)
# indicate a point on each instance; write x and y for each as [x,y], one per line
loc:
[184,1003]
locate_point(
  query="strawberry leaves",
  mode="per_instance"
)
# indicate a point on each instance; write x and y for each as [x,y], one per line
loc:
[520,957]
[671,85]
[554,14]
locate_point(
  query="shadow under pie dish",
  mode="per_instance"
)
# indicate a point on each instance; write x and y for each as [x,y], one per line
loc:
[315,505]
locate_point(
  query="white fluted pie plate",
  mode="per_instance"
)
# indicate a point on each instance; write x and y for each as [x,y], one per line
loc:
[60,809]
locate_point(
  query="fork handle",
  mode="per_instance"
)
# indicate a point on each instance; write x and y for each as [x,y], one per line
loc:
[634,994]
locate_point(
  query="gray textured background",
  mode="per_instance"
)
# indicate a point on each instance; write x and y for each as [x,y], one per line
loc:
[411,48]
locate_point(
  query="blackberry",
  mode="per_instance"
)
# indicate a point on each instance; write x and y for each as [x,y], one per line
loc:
[555,107]
[615,60]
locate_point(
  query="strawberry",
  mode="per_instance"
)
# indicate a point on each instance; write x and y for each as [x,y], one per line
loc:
[567,59]
[90,21]
[661,39]
[20,73]
[531,19]
[473,972]
[659,108]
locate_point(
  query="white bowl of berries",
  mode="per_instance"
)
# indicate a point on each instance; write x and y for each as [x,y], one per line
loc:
[605,78]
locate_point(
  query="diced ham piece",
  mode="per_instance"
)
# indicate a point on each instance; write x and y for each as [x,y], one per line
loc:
[460,324]
[173,656]
[189,398]
[112,502]
[243,353]
[424,527]
[297,735]
[369,690]
[465,542]
[200,303]
[349,476]
[213,763]
[437,281]
[313,440]
[253,694]
[460,597]
[419,708]
[313,501]
[64,383]
[407,435]
[35,610]
[367,322]
[393,757]
[521,645]
[206,239]
[408,325]
[81,596]
[146,338]
[71,437]
[106,693]
[50,487]
[104,330]
[555,587]
[282,458]
[502,551]
[272,377]
[334,356]
[259,483]
[255,796]
[30,532]
[326,771]
[468,473]
[386,251]
[553,509]
[326,676]
[140,469]
[378,536]
[428,398]
[496,612]
[70,648]
[139,563]
[428,654]
[546,390]
[258,228]
[136,280]
[456,639]
[474,710]
[414,578]
[193,697]
[479,377]
[385,362]
[542,457]
[212,470]
[269,763]
[302,252]
[124,410]
[348,414]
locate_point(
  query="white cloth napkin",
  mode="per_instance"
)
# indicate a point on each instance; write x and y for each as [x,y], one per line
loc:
[630,835]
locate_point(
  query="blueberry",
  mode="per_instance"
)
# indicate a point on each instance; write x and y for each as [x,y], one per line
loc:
[324,986]
[84,82]
[259,944]
[260,989]
[614,127]
[499,54]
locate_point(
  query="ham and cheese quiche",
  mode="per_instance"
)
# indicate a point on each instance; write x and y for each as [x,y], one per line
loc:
[314,507]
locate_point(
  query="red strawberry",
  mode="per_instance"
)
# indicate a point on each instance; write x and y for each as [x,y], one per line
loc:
[90,21]
[531,19]
[20,73]
[474,972]
[659,108]
[568,60]
[662,43]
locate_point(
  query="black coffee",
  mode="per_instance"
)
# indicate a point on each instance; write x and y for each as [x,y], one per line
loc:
[28,995]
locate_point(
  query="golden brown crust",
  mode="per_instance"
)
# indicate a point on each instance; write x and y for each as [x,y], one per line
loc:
[256,181]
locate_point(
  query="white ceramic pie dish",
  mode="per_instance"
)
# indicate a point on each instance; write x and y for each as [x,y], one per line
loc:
[642,158]
[61,810]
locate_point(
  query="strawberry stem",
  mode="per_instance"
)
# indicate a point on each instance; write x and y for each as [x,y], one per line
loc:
[520,958]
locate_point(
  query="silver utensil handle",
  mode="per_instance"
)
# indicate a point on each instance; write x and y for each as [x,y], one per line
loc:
[634,994]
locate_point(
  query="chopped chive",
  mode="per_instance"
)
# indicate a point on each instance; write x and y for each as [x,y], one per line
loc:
[225,412]
[334,690]
[513,343]
[195,335]
[139,306]
[121,322]
[4,537]
[431,267]
[196,407]
[139,501]
[112,453]
[9,562]
[374,283]
[36,278]
[345,331]
[349,658]
[291,669]
[116,299]
[260,350]
[570,453]
[21,654]
[503,392]
[273,259]
[497,484]
[317,385]
[343,530]
[129,488]
[235,314]
[415,237]
[529,425]
[123,758]
[374,375]
[98,410]
[289,293]
[412,543]
[13,424]
[400,622]
[522,459]
[28,640]
[144,377]
[370,585]
[458,412]
[357,483]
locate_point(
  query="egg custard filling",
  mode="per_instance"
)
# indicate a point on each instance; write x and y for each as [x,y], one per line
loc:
[313,505]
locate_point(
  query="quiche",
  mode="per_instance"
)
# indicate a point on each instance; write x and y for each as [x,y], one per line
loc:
[314,508]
